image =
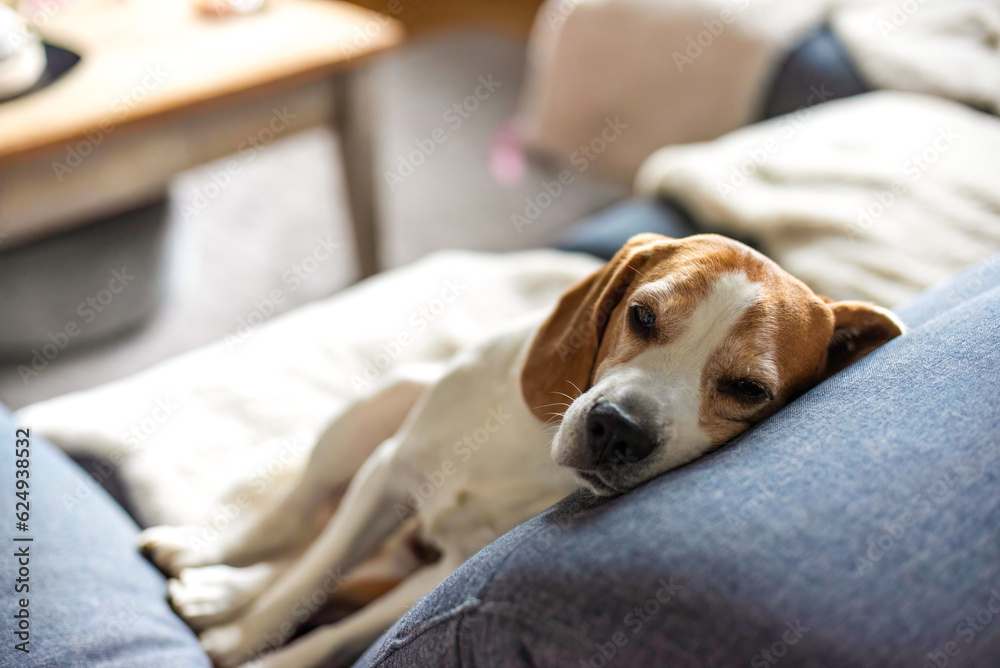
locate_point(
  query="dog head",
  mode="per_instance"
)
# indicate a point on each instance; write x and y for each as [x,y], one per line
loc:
[678,345]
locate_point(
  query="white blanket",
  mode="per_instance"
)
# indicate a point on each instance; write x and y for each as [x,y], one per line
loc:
[678,71]
[946,48]
[241,415]
[875,197]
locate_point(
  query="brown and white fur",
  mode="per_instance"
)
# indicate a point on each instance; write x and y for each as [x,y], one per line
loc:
[667,352]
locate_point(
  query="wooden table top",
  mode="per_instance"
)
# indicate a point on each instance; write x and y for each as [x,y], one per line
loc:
[144,61]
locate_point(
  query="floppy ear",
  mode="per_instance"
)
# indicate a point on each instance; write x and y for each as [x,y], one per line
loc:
[564,350]
[859,328]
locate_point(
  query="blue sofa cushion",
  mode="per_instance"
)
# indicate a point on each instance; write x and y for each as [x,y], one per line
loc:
[92,600]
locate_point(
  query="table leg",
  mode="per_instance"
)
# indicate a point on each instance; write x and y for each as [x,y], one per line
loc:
[353,109]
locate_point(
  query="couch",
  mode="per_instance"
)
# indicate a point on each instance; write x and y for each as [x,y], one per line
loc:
[856,527]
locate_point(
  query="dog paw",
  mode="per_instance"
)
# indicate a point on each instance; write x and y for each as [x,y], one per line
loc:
[213,595]
[228,646]
[175,548]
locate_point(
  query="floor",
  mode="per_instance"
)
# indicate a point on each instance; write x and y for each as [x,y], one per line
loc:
[258,234]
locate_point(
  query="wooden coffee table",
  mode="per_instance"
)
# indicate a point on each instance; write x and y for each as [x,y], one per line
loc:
[161,88]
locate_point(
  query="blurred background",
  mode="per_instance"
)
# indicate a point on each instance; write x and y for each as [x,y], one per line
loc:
[172,171]
[238,241]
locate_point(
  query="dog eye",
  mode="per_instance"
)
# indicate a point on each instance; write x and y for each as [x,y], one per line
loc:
[642,319]
[747,389]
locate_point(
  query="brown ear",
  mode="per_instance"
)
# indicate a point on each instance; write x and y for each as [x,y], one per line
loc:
[564,350]
[859,328]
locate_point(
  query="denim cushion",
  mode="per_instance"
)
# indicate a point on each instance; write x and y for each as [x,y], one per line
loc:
[857,527]
[93,600]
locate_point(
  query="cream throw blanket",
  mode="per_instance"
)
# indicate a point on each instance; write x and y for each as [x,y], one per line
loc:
[875,197]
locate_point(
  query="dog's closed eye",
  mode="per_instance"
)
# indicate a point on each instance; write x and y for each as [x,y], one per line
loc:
[746,390]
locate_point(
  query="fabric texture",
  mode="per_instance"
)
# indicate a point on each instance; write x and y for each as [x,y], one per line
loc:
[93,600]
[877,196]
[857,527]
[947,48]
[681,71]
[241,416]
[667,72]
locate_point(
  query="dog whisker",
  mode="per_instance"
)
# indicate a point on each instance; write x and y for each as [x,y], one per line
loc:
[558,403]
[553,420]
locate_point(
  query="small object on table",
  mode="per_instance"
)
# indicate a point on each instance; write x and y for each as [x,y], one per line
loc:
[22,56]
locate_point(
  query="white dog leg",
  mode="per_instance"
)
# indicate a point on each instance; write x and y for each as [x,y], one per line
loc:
[338,644]
[339,453]
[363,521]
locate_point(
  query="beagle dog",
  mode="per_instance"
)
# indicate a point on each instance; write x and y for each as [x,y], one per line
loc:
[669,351]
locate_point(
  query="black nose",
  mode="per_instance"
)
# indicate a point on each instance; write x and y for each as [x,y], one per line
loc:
[614,436]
